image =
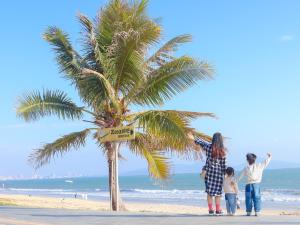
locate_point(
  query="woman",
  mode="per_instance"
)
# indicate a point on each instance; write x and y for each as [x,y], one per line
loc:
[214,170]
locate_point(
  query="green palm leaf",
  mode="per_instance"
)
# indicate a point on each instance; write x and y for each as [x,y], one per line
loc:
[170,79]
[202,136]
[164,54]
[166,123]
[62,145]
[91,89]
[126,60]
[125,31]
[91,49]
[68,59]
[158,165]
[169,129]
[107,87]
[35,105]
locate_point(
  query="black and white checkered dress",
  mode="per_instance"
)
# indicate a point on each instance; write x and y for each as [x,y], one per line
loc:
[215,170]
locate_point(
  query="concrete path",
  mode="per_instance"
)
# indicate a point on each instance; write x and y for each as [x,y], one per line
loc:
[32,216]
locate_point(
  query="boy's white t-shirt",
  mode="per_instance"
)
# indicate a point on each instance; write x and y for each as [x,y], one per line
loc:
[254,172]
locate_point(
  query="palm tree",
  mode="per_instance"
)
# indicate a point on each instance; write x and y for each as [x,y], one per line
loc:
[112,73]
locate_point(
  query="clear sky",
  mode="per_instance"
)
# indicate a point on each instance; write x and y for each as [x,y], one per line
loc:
[254,46]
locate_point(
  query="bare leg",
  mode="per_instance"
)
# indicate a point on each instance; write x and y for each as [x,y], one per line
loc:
[209,199]
[218,202]
[210,202]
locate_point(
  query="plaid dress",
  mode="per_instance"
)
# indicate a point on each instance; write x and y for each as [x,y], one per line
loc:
[215,170]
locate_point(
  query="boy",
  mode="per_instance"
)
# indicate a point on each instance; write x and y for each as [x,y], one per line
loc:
[253,172]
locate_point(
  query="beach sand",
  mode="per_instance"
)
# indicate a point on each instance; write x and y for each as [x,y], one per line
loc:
[79,204]
[35,210]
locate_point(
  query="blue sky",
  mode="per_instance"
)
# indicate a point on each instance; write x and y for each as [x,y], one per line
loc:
[254,46]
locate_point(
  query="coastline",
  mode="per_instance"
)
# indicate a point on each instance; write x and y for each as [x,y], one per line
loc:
[136,207]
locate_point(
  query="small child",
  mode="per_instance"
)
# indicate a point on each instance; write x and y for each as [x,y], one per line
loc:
[231,191]
[254,172]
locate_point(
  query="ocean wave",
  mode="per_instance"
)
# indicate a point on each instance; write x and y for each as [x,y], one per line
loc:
[272,195]
[173,191]
[37,189]
[268,195]
[284,191]
[281,195]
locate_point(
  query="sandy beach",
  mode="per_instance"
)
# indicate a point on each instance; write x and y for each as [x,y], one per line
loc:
[16,215]
[79,204]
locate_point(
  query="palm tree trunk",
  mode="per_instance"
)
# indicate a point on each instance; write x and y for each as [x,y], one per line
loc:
[115,197]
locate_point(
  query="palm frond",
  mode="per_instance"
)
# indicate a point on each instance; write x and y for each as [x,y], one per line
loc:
[126,60]
[202,136]
[158,165]
[91,49]
[92,91]
[169,130]
[125,31]
[71,64]
[107,87]
[166,123]
[62,145]
[36,105]
[164,54]
[170,79]
[100,144]
[67,58]
[140,7]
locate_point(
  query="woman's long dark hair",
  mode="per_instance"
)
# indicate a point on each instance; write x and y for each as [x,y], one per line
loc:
[218,149]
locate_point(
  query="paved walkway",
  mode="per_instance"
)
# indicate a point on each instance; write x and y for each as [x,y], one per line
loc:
[31,216]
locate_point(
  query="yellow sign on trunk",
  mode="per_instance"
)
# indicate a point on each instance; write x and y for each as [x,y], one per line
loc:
[117,134]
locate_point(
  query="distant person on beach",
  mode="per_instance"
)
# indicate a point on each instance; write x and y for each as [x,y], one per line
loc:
[214,170]
[231,191]
[253,171]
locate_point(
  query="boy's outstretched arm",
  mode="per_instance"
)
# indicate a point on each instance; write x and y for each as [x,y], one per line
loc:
[267,161]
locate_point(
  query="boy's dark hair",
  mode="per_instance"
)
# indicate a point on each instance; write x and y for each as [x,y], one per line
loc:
[251,158]
[229,171]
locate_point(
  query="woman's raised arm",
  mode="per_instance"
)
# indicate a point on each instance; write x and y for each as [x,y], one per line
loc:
[204,144]
[198,141]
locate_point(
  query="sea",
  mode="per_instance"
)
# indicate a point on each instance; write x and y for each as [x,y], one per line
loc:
[280,189]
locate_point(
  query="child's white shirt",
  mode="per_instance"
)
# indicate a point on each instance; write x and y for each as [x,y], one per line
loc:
[230,185]
[254,172]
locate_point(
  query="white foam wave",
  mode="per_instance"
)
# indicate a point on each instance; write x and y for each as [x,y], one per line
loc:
[269,195]
[35,190]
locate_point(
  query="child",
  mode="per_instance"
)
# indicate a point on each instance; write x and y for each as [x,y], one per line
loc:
[231,191]
[254,172]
